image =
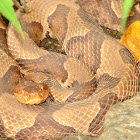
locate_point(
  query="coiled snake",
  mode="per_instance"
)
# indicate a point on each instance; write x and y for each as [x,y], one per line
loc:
[96,73]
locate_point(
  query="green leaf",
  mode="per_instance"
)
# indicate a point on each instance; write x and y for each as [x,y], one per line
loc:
[127,5]
[8,12]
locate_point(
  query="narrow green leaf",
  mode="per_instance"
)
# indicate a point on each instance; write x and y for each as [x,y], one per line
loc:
[8,12]
[127,5]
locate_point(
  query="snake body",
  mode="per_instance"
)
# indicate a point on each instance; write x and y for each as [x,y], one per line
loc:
[96,73]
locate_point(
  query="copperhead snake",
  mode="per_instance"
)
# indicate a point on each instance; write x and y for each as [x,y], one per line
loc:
[95,74]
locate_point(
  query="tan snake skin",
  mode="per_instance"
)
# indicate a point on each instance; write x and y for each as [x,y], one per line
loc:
[96,73]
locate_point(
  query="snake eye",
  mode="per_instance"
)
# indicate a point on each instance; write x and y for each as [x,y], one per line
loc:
[68,86]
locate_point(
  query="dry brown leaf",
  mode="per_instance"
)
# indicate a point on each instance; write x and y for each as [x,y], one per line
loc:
[131,40]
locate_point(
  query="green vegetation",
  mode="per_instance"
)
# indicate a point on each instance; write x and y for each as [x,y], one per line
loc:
[127,5]
[6,8]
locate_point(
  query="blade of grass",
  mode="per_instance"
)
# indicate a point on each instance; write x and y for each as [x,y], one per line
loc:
[127,5]
[6,8]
